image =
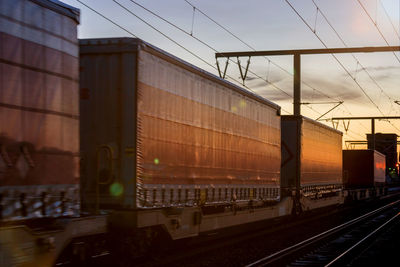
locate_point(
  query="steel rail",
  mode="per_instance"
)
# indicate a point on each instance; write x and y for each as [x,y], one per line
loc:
[312,240]
[352,248]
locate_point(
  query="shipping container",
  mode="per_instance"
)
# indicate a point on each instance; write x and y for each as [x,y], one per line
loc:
[363,168]
[387,145]
[39,109]
[159,132]
[319,158]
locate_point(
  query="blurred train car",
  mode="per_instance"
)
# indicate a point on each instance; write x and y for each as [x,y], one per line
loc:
[39,112]
[39,132]
[165,143]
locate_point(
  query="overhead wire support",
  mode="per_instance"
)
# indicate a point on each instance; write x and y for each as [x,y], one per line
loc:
[194,12]
[330,111]
[296,53]
[243,76]
[222,74]
[338,61]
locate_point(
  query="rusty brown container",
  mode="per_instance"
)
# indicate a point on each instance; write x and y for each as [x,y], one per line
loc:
[320,157]
[157,131]
[39,109]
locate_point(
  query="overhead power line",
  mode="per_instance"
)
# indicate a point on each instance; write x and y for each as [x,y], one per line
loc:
[338,61]
[166,36]
[268,59]
[197,39]
[377,27]
[390,19]
[252,48]
[106,18]
[391,100]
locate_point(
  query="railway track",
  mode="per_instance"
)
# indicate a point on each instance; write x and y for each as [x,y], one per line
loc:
[339,245]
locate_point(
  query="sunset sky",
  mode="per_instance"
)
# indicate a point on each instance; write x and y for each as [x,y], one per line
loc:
[274,25]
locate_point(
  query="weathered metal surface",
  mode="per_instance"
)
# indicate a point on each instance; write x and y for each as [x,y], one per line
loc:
[39,112]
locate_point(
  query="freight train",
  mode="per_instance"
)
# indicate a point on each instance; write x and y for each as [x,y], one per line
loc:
[117,136]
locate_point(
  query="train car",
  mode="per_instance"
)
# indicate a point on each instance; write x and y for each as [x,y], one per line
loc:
[39,111]
[364,174]
[312,161]
[363,168]
[165,143]
[39,133]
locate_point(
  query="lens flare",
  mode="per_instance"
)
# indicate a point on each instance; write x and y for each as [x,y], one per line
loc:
[156,161]
[116,189]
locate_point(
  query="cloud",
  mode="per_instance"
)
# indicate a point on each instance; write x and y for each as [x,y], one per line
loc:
[336,90]
[382,68]
[378,73]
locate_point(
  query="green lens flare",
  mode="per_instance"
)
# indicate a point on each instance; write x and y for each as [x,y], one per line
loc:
[156,161]
[116,189]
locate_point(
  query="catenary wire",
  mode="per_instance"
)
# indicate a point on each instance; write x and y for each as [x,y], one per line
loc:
[391,100]
[377,27]
[390,19]
[345,109]
[169,38]
[197,39]
[252,48]
[339,62]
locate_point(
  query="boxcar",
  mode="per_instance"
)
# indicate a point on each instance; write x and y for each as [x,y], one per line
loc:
[363,168]
[320,156]
[157,132]
[39,109]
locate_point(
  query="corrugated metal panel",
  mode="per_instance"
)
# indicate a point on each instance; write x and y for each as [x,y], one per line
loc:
[320,158]
[39,126]
[199,140]
[194,133]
